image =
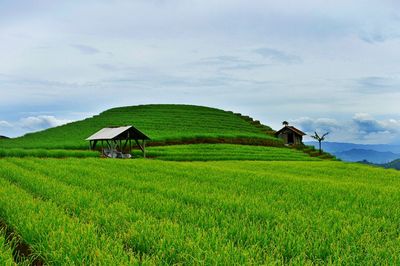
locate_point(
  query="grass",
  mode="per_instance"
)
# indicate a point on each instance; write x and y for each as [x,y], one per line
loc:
[6,253]
[220,152]
[44,153]
[162,123]
[52,234]
[233,212]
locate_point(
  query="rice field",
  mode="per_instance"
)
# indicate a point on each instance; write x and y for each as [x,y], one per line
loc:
[44,153]
[6,256]
[221,152]
[125,212]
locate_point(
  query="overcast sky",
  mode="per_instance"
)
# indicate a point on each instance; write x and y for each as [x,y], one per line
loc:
[325,65]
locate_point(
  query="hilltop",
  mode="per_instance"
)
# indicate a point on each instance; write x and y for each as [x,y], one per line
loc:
[163,123]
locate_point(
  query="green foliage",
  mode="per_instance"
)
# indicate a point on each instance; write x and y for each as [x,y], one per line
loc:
[219,152]
[162,123]
[43,153]
[109,212]
[6,256]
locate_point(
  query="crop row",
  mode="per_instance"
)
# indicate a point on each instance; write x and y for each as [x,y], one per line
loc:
[220,152]
[115,218]
[212,213]
[44,153]
[52,234]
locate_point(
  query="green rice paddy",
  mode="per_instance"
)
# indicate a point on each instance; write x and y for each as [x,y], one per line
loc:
[126,212]
[221,152]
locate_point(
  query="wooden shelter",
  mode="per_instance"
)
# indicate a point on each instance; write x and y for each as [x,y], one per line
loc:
[116,142]
[290,135]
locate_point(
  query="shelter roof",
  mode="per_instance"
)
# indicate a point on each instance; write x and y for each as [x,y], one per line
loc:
[112,133]
[291,128]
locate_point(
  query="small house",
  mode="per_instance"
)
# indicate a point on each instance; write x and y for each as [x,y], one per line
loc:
[290,135]
[116,142]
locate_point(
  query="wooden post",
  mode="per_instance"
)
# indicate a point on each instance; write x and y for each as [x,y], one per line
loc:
[144,148]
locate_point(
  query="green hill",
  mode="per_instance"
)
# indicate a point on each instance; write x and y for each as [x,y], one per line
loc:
[164,124]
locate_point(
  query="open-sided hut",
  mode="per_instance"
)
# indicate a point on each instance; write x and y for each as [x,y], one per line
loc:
[290,135]
[116,142]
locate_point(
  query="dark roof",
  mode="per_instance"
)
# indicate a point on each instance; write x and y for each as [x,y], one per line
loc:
[116,133]
[291,128]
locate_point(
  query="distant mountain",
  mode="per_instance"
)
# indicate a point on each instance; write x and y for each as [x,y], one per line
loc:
[333,147]
[3,137]
[376,157]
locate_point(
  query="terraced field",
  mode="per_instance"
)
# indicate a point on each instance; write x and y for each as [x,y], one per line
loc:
[221,152]
[162,123]
[121,212]
[46,153]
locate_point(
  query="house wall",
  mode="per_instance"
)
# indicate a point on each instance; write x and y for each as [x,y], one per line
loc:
[298,140]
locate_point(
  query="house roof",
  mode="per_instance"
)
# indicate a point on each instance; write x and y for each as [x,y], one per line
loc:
[112,133]
[295,130]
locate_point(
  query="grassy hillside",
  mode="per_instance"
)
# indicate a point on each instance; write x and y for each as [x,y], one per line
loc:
[162,123]
[120,212]
[221,152]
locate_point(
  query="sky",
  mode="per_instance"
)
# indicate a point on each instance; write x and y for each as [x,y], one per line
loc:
[321,65]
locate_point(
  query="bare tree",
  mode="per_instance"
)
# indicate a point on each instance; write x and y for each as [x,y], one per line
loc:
[320,139]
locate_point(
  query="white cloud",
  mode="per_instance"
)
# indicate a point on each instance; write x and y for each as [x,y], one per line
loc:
[30,124]
[278,56]
[363,128]
[40,122]
[5,124]
[274,59]
[86,49]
